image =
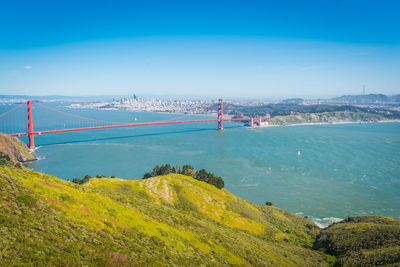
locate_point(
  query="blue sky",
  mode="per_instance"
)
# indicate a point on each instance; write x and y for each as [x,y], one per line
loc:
[244,49]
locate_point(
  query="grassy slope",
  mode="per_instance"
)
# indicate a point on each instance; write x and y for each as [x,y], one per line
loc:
[169,220]
[14,148]
[363,241]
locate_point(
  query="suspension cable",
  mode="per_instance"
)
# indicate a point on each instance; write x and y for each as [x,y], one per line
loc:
[175,118]
[77,116]
[12,109]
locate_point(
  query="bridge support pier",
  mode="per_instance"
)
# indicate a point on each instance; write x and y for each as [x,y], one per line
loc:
[31,134]
[220,114]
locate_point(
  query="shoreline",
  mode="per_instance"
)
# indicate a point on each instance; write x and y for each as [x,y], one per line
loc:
[231,116]
[156,112]
[327,123]
[179,113]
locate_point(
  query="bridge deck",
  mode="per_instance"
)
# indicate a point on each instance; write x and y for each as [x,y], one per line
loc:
[124,126]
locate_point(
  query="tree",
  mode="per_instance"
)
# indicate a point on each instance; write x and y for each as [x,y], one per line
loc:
[188,170]
[202,175]
[216,181]
[77,181]
[164,169]
[82,181]
[155,171]
[220,183]
[147,175]
[86,179]
[177,169]
[159,170]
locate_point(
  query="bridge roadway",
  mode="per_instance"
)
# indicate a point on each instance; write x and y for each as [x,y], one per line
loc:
[125,125]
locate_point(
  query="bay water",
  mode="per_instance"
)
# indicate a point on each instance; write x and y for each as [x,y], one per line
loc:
[326,172]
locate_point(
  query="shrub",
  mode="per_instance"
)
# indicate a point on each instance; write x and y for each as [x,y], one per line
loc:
[5,160]
[27,200]
[67,198]
[201,175]
[84,180]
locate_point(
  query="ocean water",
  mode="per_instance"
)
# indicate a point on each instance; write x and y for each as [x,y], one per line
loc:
[342,170]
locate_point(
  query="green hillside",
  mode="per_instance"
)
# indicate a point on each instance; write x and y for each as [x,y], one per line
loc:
[363,241]
[169,220]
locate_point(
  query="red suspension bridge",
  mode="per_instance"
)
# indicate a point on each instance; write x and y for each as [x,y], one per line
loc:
[101,124]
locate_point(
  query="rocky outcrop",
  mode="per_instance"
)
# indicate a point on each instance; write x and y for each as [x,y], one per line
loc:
[15,149]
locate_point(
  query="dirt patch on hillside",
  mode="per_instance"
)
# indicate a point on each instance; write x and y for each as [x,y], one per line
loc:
[51,186]
[5,203]
[56,201]
[157,188]
[85,210]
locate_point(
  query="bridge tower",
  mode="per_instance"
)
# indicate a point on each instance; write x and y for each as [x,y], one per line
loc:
[31,134]
[220,114]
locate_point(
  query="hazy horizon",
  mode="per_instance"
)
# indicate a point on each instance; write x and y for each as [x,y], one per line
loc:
[188,97]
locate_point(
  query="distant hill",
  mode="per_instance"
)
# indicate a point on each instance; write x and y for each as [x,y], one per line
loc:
[293,101]
[366,99]
[52,98]
[289,113]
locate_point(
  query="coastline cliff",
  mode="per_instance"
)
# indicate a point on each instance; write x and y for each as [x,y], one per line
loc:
[15,149]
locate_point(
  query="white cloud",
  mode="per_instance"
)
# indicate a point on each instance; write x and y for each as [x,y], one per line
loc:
[28,67]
